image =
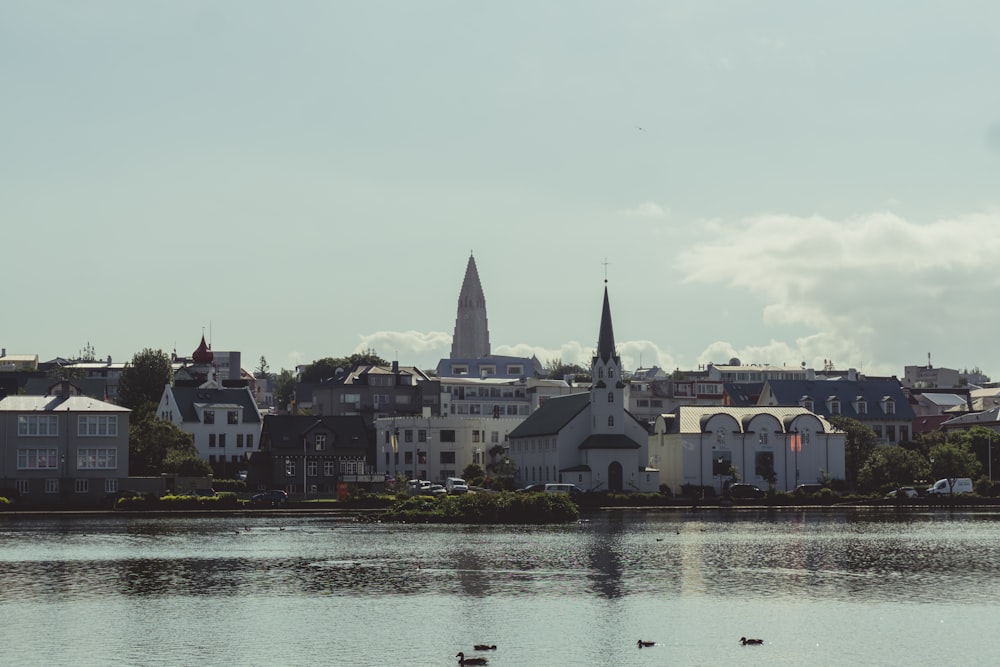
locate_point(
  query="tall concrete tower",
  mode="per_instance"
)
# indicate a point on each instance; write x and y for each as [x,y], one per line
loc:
[472,334]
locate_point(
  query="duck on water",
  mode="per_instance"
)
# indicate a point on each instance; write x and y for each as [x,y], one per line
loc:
[475,660]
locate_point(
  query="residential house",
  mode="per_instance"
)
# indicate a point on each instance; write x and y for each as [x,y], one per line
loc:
[62,449]
[314,455]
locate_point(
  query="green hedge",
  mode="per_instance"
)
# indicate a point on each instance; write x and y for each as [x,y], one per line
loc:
[225,500]
[485,508]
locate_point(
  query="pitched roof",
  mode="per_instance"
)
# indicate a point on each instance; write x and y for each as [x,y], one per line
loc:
[609,441]
[552,416]
[847,392]
[52,403]
[285,432]
[187,397]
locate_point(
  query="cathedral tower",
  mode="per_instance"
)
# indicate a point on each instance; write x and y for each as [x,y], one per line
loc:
[472,334]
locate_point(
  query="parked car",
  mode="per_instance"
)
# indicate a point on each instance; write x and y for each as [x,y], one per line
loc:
[571,489]
[418,486]
[903,492]
[456,485]
[943,488]
[435,490]
[807,489]
[532,488]
[745,491]
[272,498]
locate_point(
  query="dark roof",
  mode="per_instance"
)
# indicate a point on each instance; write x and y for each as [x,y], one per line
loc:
[743,394]
[285,432]
[187,397]
[847,392]
[93,387]
[609,441]
[552,416]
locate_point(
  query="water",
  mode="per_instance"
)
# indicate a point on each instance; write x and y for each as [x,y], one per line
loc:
[828,588]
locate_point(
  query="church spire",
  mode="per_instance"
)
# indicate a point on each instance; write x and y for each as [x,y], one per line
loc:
[472,335]
[606,338]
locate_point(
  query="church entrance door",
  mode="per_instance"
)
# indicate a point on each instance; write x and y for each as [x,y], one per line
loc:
[615,477]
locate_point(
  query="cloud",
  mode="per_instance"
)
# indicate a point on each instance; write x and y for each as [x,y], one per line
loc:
[856,287]
[427,347]
[647,209]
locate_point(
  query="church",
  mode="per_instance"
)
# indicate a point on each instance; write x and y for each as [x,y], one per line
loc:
[588,439]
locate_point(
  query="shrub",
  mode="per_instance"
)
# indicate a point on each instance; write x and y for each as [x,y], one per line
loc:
[505,507]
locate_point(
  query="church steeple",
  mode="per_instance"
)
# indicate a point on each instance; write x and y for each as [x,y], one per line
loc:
[607,393]
[472,335]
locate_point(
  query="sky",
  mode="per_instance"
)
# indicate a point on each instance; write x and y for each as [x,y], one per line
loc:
[778,181]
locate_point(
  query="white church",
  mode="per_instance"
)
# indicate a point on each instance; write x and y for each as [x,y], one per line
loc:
[588,439]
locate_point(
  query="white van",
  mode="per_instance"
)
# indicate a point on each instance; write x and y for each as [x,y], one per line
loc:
[562,488]
[456,485]
[942,488]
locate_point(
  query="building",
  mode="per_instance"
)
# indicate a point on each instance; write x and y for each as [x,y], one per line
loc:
[224,422]
[703,446]
[62,449]
[375,392]
[312,455]
[588,439]
[17,362]
[878,403]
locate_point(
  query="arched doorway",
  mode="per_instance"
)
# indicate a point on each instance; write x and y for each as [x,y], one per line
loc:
[615,476]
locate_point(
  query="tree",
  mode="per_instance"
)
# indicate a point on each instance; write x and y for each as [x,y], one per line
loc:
[262,369]
[474,474]
[284,389]
[186,464]
[327,367]
[892,466]
[861,442]
[152,441]
[980,440]
[144,378]
[557,370]
[953,459]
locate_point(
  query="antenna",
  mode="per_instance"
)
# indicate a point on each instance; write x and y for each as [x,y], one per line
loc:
[605,262]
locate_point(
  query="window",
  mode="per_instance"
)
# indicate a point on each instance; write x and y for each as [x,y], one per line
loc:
[402,399]
[890,432]
[408,435]
[289,467]
[764,465]
[82,486]
[211,440]
[312,468]
[611,397]
[495,437]
[422,435]
[447,435]
[447,458]
[222,440]
[862,406]
[889,406]
[320,441]
[834,407]
[475,436]
[22,486]
[239,439]
[98,458]
[37,425]
[249,440]
[611,420]
[110,485]
[38,459]
[52,486]
[97,425]
[209,417]
[515,370]
[233,417]
[722,462]
[763,438]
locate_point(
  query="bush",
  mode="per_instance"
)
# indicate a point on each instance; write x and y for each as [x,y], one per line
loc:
[4,502]
[485,508]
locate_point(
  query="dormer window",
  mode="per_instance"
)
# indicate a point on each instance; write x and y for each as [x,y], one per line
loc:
[833,404]
[806,402]
[861,405]
[888,406]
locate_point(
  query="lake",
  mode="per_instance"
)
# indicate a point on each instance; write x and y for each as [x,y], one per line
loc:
[822,587]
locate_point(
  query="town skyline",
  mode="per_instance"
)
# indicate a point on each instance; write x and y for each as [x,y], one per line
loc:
[783,184]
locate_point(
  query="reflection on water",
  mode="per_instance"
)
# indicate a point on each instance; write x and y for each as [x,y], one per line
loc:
[594,584]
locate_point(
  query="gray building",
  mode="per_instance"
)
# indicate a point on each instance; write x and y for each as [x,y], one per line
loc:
[63,449]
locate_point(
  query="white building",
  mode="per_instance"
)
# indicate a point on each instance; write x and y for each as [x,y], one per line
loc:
[701,445]
[590,440]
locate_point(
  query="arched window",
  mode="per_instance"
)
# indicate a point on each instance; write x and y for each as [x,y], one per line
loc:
[611,397]
[611,421]
[600,372]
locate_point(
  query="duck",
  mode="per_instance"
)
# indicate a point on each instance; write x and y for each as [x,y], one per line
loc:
[476,660]
[643,644]
[485,647]
[747,642]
